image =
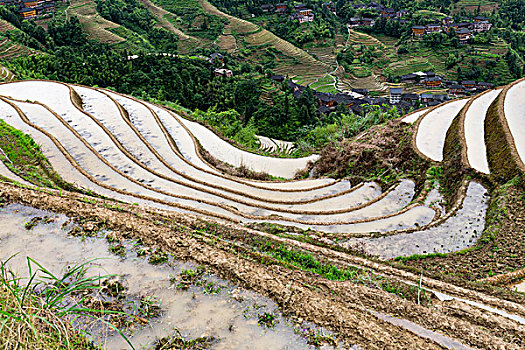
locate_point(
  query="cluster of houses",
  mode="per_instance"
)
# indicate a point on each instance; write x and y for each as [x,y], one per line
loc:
[404,102]
[300,11]
[384,12]
[30,9]
[431,80]
[464,30]
[355,101]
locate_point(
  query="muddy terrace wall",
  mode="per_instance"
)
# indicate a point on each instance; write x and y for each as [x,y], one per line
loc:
[502,157]
[455,167]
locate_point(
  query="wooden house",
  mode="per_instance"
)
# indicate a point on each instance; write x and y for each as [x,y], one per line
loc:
[29,3]
[464,35]
[456,90]
[281,7]
[418,31]
[433,82]
[28,13]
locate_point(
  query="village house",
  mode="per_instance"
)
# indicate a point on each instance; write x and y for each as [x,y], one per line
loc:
[456,90]
[482,26]
[433,28]
[216,57]
[28,13]
[280,7]
[303,16]
[480,19]
[29,3]
[410,98]
[368,22]
[469,84]
[426,98]
[395,95]
[354,22]
[326,99]
[409,78]
[267,8]
[344,100]
[222,72]
[418,31]
[388,13]
[482,86]
[448,83]
[433,82]
[464,35]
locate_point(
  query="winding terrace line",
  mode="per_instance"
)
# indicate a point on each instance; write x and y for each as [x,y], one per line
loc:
[175,149]
[514,131]
[194,178]
[74,163]
[303,212]
[431,148]
[228,208]
[472,131]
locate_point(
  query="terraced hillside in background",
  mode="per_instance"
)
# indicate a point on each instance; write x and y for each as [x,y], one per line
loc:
[132,151]
[93,24]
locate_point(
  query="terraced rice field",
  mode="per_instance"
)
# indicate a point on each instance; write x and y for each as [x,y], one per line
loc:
[96,27]
[432,126]
[275,146]
[137,152]
[134,151]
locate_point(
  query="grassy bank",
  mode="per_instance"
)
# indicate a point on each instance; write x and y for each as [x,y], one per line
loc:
[23,156]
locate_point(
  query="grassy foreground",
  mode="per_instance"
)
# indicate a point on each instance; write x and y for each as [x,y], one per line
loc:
[36,320]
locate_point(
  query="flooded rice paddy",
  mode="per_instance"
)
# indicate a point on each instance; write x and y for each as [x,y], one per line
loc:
[458,232]
[215,309]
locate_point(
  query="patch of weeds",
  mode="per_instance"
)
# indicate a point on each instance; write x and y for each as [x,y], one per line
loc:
[318,338]
[34,308]
[33,222]
[179,342]
[306,262]
[113,288]
[267,320]
[118,249]
[189,277]
[149,307]
[211,288]
[158,257]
